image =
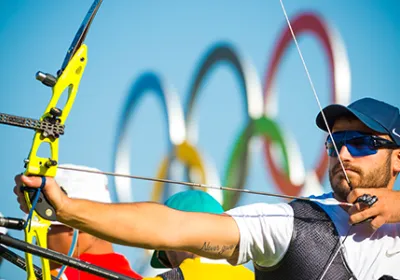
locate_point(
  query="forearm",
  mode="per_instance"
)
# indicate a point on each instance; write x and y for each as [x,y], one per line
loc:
[133,224]
[154,226]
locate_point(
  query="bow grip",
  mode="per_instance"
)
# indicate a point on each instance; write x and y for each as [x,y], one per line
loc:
[43,206]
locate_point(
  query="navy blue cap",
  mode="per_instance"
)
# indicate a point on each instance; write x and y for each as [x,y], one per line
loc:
[377,115]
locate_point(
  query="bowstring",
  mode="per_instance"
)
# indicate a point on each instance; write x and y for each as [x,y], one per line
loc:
[326,124]
[204,186]
[313,89]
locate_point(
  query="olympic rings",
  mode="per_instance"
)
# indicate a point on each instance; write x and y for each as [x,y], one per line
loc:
[181,135]
[149,82]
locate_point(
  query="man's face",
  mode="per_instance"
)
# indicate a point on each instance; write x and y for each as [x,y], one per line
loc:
[372,171]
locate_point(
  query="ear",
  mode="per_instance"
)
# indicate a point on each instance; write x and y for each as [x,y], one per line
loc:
[396,160]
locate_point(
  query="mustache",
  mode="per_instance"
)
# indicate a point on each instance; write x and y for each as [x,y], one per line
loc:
[338,168]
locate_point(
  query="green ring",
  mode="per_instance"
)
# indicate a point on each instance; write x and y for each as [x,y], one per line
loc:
[236,172]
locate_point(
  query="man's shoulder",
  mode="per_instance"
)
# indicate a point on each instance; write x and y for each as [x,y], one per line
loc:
[326,201]
[261,208]
[324,196]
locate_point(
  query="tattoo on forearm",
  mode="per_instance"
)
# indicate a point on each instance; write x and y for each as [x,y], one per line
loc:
[219,249]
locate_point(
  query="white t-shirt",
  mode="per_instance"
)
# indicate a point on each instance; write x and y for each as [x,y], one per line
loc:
[266,231]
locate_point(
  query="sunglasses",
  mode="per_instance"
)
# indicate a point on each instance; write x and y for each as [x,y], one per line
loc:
[358,144]
[162,257]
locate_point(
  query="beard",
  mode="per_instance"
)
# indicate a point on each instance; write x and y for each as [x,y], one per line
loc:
[378,177]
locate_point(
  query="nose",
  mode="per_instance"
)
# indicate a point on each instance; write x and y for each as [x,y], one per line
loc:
[344,153]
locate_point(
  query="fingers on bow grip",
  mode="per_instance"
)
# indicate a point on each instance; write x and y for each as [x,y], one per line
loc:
[40,203]
[368,200]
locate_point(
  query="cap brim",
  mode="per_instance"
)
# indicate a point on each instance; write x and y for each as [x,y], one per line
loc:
[155,263]
[335,111]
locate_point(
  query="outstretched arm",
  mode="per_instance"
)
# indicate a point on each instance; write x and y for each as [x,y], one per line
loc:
[143,224]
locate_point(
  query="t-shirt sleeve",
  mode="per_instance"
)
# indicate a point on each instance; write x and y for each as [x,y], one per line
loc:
[265,232]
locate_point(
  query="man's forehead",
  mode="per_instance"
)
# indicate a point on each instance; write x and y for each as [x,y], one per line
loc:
[349,123]
[346,123]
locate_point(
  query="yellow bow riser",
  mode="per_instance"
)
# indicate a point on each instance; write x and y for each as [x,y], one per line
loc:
[70,78]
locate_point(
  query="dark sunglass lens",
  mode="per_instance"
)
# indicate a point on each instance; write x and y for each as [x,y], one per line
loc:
[360,142]
[361,146]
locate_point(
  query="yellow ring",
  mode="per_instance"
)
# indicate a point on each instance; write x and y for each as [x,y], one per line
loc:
[187,154]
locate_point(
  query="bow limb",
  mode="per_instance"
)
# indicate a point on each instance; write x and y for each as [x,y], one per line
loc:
[47,167]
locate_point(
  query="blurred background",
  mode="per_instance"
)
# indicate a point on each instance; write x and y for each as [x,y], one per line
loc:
[206,91]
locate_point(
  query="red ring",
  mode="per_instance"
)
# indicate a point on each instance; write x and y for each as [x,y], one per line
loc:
[307,22]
